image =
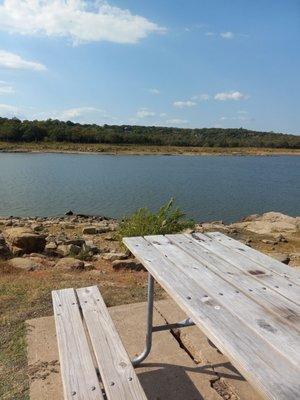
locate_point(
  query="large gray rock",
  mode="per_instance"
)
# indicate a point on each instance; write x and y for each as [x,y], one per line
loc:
[24,240]
[26,264]
[271,223]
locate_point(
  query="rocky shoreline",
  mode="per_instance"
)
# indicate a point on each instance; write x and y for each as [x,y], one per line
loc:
[80,242]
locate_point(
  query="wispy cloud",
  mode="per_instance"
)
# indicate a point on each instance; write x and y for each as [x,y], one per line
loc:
[184,104]
[6,88]
[223,96]
[80,112]
[201,97]
[177,121]
[154,91]
[227,35]
[14,61]
[240,117]
[145,113]
[9,111]
[84,115]
[80,20]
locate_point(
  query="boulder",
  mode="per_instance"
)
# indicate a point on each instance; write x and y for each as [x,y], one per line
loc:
[271,223]
[70,263]
[103,229]
[37,227]
[26,264]
[75,241]
[24,240]
[51,248]
[67,249]
[114,256]
[89,230]
[4,250]
[131,263]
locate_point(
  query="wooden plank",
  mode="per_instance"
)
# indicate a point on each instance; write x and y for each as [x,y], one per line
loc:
[274,330]
[265,261]
[78,373]
[117,373]
[250,267]
[270,373]
[270,299]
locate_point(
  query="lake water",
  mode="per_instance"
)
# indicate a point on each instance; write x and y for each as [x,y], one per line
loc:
[206,188]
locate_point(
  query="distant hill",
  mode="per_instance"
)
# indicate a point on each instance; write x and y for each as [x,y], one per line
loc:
[14,130]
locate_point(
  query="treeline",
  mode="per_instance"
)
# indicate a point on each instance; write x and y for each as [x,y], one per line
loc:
[14,130]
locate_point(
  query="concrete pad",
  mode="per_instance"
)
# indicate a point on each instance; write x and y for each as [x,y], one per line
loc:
[229,381]
[180,367]
[43,362]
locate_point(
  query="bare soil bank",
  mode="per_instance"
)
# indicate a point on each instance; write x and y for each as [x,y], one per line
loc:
[62,147]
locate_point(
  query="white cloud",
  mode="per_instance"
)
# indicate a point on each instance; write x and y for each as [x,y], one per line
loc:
[177,121]
[145,113]
[5,88]
[184,104]
[79,112]
[154,91]
[84,115]
[9,111]
[227,35]
[201,97]
[240,117]
[209,34]
[81,20]
[223,96]
[14,61]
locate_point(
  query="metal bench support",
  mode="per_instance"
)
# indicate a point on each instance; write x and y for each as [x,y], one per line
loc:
[150,328]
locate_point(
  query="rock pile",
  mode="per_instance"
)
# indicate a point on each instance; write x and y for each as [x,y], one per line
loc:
[72,243]
[78,242]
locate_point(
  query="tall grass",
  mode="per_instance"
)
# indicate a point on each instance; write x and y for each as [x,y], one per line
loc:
[168,219]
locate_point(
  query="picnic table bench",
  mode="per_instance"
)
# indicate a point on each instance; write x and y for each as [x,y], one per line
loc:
[246,303]
[89,346]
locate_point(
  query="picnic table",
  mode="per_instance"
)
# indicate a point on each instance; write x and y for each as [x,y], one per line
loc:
[245,302]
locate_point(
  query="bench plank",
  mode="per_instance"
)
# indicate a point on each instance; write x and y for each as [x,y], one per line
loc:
[118,376]
[271,373]
[272,280]
[79,376]
[268,298]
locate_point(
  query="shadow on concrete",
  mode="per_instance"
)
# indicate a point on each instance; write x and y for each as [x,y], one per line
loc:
[168,382]
[172,382]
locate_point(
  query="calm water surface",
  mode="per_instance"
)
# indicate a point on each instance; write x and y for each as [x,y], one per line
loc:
[207,188]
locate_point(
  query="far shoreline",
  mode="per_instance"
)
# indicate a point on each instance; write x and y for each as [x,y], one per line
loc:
[108,149]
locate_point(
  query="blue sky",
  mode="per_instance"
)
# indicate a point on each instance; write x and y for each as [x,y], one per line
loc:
[196,63]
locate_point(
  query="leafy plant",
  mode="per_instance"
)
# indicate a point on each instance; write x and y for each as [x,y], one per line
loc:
[167,219]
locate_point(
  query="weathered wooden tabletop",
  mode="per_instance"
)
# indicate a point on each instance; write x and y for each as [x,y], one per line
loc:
[246,303]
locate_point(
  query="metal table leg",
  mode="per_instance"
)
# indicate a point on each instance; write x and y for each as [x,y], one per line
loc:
[137,360]
[150,328]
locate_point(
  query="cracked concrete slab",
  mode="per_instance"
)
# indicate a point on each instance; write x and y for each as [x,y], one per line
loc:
[180,367]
